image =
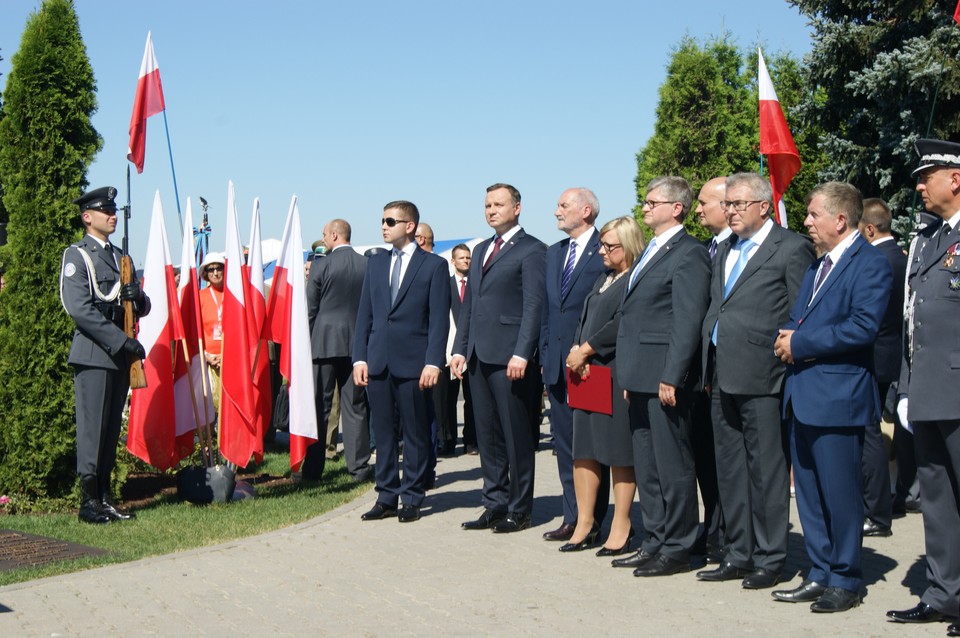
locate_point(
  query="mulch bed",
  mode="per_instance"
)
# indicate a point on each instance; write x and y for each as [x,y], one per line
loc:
[142,488]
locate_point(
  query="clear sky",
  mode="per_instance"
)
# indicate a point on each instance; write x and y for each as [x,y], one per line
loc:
[350,105]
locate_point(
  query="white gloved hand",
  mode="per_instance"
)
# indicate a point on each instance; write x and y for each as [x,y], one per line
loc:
[902,415]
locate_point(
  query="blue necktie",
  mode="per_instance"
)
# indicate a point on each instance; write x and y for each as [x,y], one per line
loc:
[568,270]
[395,275]
[745,246]
[644,258]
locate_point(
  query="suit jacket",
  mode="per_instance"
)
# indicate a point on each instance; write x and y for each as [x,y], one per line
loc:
[831,382]
[930,374]
[659,335]
[501,310]
[758,304]
[888,350]
[97,341]
[561,315]
[403,337]
[333,298]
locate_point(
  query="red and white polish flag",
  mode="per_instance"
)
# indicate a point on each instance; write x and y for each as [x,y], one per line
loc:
[191,389]
[238,439]
[153,435]
[148,101]
[256,327]
[776,142]
[287,326]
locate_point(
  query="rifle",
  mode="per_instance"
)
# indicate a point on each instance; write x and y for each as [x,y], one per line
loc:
[137,377]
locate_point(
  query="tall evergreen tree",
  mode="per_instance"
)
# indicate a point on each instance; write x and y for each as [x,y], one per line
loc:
[873,73]
[46,143]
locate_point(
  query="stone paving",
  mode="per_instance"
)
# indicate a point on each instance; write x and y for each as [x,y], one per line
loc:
[338,576]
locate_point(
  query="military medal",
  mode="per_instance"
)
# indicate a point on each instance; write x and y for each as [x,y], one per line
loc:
[948,263]
[954,282]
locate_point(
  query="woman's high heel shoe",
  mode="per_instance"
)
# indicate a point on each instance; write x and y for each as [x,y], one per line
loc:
[590,540]
[620,550]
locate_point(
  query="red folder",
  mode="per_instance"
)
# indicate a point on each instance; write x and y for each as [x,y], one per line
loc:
[593,394]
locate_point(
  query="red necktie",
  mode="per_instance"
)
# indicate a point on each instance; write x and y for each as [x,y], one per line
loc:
[463,287]
[497,243]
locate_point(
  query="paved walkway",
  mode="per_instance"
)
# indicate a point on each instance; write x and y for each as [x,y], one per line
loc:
[338,576]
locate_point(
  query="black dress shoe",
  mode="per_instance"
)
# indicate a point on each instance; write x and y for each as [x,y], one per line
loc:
[91,511]
[919,614]
[447,449]
[408,514]
[807,592]
[726,571]
[488,519]
[588,541]
[513,522]
[379,511]
[364,475]
[662,565]
[605,551]
[639,559]
[836,599]
[471,450]
[954,629]
[715,555]
[562,533]
[872,528]
[115,514]
[761,579]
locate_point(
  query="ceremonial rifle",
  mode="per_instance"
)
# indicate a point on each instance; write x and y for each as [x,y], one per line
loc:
[137,377]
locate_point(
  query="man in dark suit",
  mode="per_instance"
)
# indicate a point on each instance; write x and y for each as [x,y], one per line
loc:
[398,352]
[887,356]
[658,365]
[497,337]
[333,296]
[830,394]
[101,353]
[573,265]
[930,376]
[447,392]
[755,281]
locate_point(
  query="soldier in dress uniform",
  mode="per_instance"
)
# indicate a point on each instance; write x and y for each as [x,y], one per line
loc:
[91,293]
[929,379]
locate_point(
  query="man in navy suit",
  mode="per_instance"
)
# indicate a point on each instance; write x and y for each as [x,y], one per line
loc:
[830,393]
[573,265]
[497,335]
[398,353]
[887,356]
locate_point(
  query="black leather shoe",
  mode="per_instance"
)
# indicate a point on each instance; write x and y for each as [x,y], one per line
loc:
[836,599]
[408,514]
[115,514]
[91,511]
[512,523]
[488,519]
[471,450]
[562,533]
[871,528]
[807,592]
[919,614]
[639,559]
[662,565]
[954,629]
[379,511]
[605,551]
[726,571]
[715,555]
[589,540]
[761,579]
[447,449]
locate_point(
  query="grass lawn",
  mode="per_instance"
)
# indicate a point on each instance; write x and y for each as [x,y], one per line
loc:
[166,525]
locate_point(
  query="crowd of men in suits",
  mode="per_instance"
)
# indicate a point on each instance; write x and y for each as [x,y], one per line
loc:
[760,352]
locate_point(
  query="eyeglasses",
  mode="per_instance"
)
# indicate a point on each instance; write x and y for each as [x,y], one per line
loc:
[740,205]
[652,203]
[609,247]
[214,269]
[391,222]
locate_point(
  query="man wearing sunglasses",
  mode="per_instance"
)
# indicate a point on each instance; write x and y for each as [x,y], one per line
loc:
[398,353]
[91,293]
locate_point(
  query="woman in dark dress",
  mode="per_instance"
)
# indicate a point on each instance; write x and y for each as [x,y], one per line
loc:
[600,439]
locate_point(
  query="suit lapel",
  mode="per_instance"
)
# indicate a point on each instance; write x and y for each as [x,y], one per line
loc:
[662,252]
[416,260]
[935,248]
[104,256]
[766,250]
[506,247]
[592,247]
[836,273]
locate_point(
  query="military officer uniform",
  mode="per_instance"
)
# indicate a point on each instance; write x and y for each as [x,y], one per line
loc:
[91,293]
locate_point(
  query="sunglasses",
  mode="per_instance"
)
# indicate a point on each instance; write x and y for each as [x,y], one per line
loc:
[391,222]
[214,269]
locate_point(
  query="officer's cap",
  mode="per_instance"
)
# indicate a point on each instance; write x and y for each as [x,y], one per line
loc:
[98,199]
[937,153]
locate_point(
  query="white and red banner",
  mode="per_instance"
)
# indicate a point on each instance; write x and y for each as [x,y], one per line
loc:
[287,326]
[148,101]
[191,387]
[238,438]
[153,434]
[256,327]
[776,142]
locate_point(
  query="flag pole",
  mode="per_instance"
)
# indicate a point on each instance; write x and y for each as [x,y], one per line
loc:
[176,193]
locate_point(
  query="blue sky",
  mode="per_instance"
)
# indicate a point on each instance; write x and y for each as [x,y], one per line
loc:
[354,104]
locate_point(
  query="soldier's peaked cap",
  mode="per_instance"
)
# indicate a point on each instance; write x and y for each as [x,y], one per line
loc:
[98,199]
[937,153]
